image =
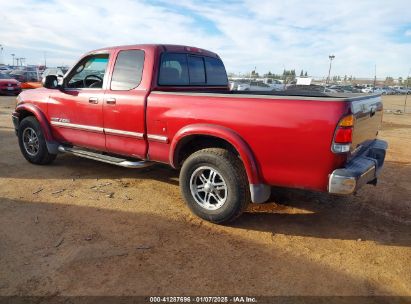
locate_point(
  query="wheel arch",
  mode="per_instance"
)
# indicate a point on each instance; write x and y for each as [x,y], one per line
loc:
[25,110]
[199,136]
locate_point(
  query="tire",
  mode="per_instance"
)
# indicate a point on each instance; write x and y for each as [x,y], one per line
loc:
[35,151]
[218,197]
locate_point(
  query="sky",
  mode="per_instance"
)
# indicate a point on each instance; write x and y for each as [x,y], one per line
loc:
[268,35]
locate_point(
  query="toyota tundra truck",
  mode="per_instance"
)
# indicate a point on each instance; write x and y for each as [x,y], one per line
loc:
[133,106]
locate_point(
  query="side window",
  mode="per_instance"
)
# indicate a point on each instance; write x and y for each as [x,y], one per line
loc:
[216,74]
[173,69]
[127,70]
[32,76]
[89,73]
[196,70]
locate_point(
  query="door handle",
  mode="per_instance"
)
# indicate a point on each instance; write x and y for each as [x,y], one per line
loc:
[93,100]
[110,101]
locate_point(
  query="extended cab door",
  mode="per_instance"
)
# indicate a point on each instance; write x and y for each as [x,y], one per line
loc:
[124,105]
[76,110]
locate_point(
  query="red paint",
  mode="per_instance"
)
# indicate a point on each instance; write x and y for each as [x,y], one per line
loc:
[285,142]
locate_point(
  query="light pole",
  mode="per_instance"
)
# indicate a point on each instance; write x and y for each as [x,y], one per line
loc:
[329,70]
[331,57]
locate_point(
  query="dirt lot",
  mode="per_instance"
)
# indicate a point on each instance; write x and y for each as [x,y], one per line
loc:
[79,227]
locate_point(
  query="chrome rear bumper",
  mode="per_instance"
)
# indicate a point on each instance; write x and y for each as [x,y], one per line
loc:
[362,169]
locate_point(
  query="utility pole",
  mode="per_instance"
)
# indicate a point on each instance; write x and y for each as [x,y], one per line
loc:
[375,77]
[12,55]
[331,57]
[45,60]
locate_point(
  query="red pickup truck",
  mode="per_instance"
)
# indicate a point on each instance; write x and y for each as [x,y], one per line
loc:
[133,106]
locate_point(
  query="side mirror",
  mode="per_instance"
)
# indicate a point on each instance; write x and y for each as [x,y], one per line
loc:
[50,82]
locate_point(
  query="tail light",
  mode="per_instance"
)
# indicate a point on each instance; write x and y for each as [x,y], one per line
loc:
[343,135]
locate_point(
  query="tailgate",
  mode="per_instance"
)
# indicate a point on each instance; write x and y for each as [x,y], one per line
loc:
[368,116]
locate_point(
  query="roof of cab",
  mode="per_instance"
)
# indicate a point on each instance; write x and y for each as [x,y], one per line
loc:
[164,47]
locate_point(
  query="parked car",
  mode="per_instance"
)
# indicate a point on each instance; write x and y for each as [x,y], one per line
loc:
[24,75]
[171,104]
[243,86]
[401,90]
[390,91]
[379,90]
[350,89]
[275,84]
[336,88]
[53,71]
[256,86]
[8,85]
[5,69]
[29,79]
[309,89]
[367,90]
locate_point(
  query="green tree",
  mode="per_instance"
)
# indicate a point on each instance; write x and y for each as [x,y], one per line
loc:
[389,81]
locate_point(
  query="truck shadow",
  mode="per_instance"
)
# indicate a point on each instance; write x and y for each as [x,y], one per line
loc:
[378,214]
[88,250]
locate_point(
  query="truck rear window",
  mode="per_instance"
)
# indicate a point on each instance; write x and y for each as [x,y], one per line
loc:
[178,69]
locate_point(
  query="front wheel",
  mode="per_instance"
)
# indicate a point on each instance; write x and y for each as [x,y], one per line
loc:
[32,142]
[214,185]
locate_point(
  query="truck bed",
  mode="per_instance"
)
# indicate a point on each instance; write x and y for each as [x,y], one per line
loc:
[272,123]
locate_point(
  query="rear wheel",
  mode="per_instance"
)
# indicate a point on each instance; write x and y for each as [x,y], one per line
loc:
[32,142]
[214,184]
